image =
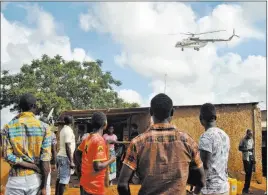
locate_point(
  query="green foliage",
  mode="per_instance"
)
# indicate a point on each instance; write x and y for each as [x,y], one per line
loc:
[62,85]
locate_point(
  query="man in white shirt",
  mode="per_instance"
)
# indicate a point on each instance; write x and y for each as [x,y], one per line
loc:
[65,156]
[214,146]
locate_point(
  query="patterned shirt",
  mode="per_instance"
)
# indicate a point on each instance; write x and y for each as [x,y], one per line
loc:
[161,157]
[217,142]
[26,139]
[53,139]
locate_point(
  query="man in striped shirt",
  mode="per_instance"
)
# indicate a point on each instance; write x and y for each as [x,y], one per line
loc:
[27,148]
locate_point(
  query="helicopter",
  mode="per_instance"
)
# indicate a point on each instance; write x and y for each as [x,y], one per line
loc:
[197,43]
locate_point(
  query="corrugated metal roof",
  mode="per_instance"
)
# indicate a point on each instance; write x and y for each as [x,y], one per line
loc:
[128,111]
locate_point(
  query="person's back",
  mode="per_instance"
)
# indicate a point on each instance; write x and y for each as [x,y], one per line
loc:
[66,133]
[65,161]
[218,143]
[214,146]
[26,135]
[161,155]
[92,157]
[27,148]
[93,181]
[164,157]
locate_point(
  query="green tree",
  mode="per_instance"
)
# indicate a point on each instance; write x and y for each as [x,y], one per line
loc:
[62,85]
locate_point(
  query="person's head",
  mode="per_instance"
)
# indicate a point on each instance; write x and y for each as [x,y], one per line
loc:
[207,114]
[98,121]
[68,120]
[161,108]
[249,134]
[28,103]
[111,129]
[134,127]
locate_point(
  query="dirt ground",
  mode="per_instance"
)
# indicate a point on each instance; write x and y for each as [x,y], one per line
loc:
[73,189]
[258,189]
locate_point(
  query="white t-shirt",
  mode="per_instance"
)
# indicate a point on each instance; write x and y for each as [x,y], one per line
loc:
[66,136]
[217,142]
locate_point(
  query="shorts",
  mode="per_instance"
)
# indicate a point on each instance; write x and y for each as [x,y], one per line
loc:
[23,185]
[64,170]
[226,193]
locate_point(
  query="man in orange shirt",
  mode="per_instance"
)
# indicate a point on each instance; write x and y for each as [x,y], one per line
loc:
[92,155]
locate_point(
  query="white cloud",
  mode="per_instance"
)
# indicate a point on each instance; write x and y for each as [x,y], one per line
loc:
[130,96]
[142,28]
[21,44]
[87,22]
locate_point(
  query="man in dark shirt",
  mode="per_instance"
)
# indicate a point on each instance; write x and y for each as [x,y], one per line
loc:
[161,155]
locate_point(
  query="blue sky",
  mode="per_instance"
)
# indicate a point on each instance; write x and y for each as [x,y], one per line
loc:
[217,74]
[101,46]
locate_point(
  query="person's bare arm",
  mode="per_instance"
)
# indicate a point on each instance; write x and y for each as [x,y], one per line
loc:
[205,157]
[112,142]
[45,169]
[78,161]
[98,166]
[78,157]
[123,180]
[28,165]
[54,154]
[128,168]
[69,154]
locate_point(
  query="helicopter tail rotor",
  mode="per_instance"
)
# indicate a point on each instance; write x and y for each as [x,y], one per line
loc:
[235,34]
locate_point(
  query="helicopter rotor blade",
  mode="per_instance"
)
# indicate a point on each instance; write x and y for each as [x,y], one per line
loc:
[187,33]
[210,32]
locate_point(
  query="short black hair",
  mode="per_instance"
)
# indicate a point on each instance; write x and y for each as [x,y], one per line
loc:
[161,106]
[135,126]
[68,119]
[98,120]
[208,112]
[27,102]
[249,131]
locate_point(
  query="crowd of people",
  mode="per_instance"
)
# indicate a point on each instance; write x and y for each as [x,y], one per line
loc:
[163,158]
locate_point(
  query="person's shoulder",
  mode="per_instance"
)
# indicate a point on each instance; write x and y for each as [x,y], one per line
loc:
[14,122]
[67,129]
[224,132]
[210,133]
[141,137]
[185,137]
[96,138]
